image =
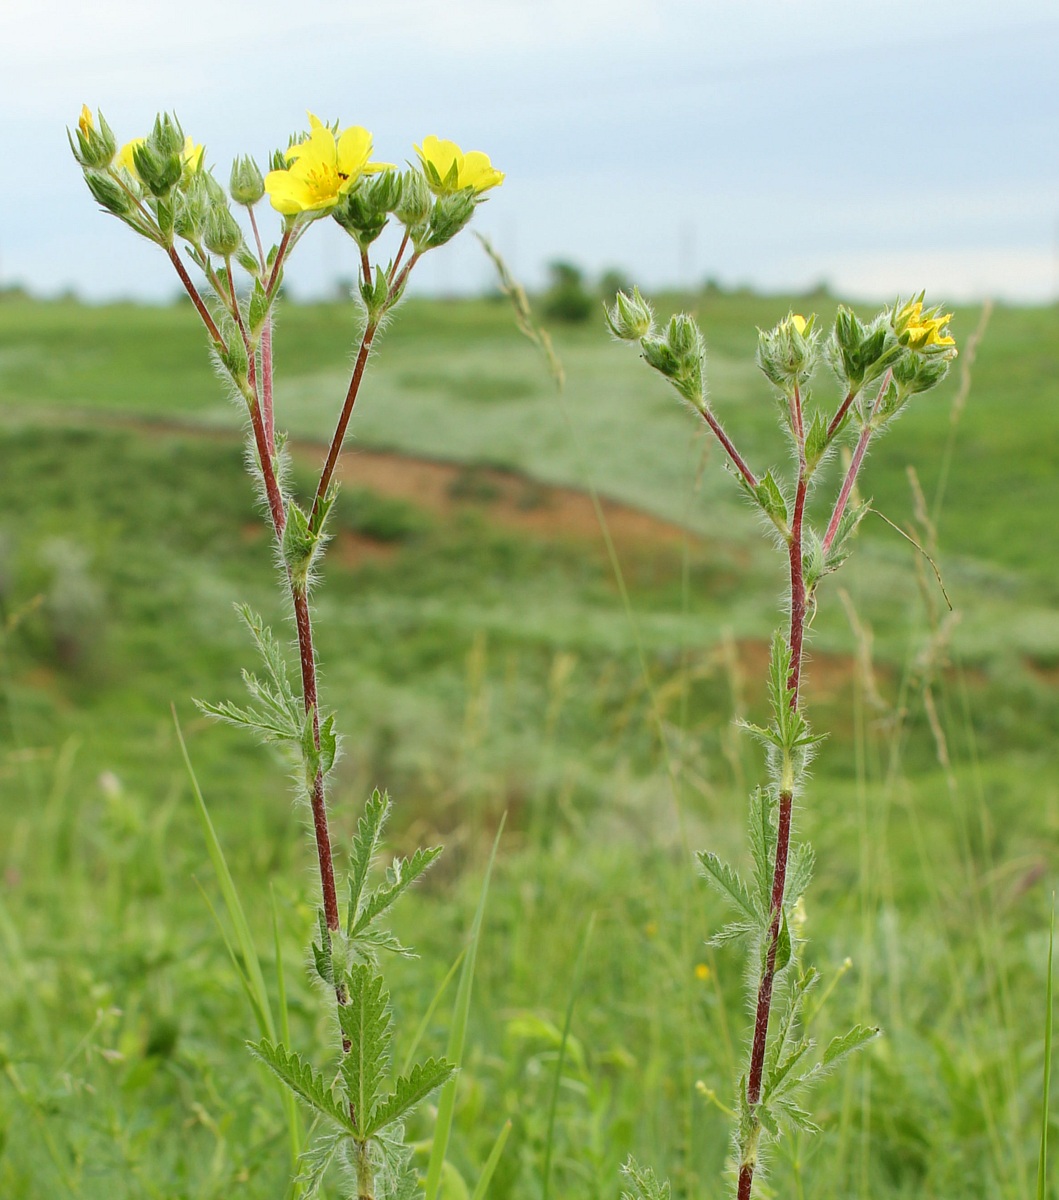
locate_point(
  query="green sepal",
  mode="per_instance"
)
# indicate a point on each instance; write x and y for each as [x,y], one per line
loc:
[306,1083]
[165,214]
[449,215]
[109,194]
[375,293]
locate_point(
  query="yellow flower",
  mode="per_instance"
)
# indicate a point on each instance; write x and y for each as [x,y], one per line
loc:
[799,322]
[702,972]
[190,156]
[920,330]
[450,170]
[86,122]
[323,168]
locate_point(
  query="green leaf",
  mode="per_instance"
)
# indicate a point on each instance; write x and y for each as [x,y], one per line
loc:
[842,1047]
[816,441]
[402,873]
[763,844]
[365,1023]
[365,846]
[733,932]
[772,501]
[784,1028]
[323,957]
[728,883]
[307,1084]
[314,1163]
[800,866]
[794,1116]
[646,1185]
[409,1090]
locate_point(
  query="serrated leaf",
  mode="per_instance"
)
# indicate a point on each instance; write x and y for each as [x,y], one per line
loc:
[409,1090]
[365,846]
[816,440]
[314,1162]
[772,501]
[729,884]
[402,874]
[768,1119]
[784,1028]
[733,932]
[306,1083]
[841,1047]
[763,844]
[781,1079]
[323,956]
[648,1186]
[366,1025]
[794,1116]
[800,866]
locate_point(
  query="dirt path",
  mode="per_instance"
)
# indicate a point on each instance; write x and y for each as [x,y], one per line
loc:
[505,497]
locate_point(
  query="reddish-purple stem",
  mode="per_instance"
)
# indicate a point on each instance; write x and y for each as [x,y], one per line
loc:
[730,449]
[837,419]
[763,1007]
[196,299]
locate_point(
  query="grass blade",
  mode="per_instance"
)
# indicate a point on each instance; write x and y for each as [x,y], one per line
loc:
[243,941]
[1042,1161]
[575,983]
[428,1016]
[490,1163]
[457,1036]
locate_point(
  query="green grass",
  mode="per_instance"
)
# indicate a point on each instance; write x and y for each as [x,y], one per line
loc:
[478,670]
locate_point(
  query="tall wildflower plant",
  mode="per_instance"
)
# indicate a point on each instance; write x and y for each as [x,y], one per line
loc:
[161,186]
[879,367]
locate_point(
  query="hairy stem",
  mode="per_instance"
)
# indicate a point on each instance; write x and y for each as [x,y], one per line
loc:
[763,1007]
[196,299]
[729,447]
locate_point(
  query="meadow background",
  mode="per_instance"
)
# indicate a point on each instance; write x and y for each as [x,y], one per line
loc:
[488,655]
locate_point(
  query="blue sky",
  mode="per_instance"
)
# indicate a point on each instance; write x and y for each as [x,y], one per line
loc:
[882,147]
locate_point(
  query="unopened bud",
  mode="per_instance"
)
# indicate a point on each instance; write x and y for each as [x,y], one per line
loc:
[95,146]
[246,184]
[108,193]
[413,207]
[630,318]
[222,234]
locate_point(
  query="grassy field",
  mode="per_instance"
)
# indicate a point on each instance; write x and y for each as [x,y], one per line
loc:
[483,662]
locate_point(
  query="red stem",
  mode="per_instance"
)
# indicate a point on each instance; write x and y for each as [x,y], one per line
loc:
[196,299]
[763,1007]
[836,420]
[730,449]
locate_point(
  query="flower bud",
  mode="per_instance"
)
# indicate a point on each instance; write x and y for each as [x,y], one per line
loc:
[857,353]
[246,183]
[448,216]
[222,234]
[158,171]
[95,148]
[108,193]
[788,354]
[413,206]
[631,318]
[192,208]
[167,137]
